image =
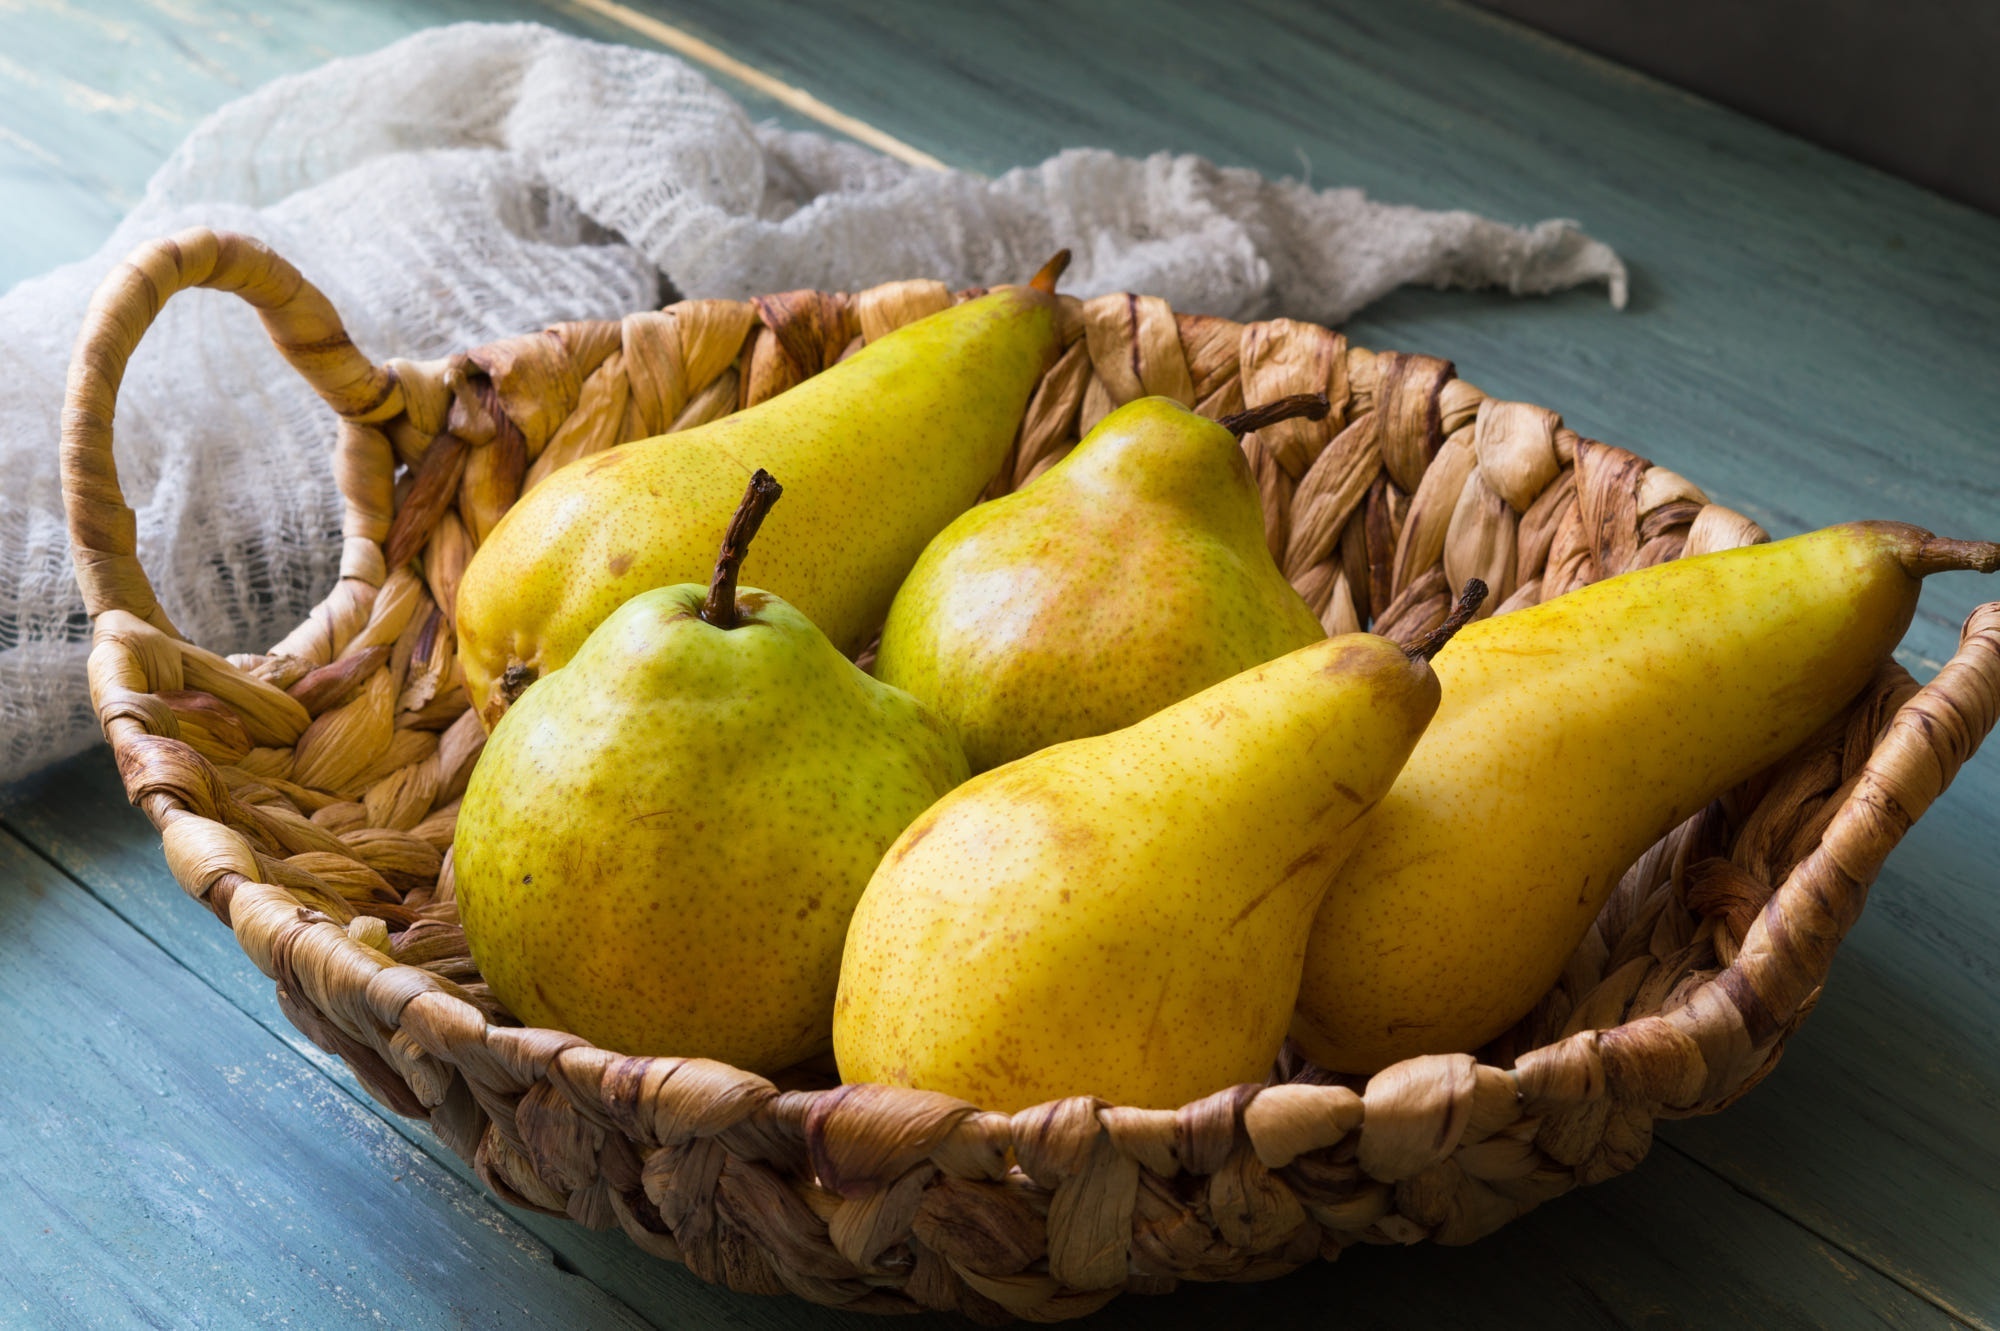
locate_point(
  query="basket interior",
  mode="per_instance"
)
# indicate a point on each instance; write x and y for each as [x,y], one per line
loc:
[350,762]
[308,796]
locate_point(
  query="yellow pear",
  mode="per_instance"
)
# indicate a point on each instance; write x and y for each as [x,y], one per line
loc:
[1572,736]
[1129,575]
[1125,915]
[662,841]
[878,453]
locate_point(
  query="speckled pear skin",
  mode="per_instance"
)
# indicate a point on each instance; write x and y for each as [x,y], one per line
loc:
[1128,576]
[1573,735]
[877,453]
[662,842]
[1125,915]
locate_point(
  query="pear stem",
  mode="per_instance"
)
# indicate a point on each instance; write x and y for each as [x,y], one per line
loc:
[1312,406]
[1461,614]
[1045,280]
[1939,554]
[720,607]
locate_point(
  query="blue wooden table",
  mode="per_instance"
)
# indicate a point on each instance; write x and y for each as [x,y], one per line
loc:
[1808,339]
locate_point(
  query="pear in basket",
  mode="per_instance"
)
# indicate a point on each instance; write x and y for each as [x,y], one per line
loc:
[1125,915]
[1573,735]
[661,845]
[1128,576]
[878,454]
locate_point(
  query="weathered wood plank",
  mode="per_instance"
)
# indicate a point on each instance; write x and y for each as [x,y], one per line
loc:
[1673,1239]
[76,815]
[167,1163]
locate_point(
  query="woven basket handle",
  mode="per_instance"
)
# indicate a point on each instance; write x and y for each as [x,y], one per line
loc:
[1790,946]
[103,531]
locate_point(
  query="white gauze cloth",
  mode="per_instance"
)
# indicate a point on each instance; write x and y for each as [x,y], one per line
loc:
[477,181]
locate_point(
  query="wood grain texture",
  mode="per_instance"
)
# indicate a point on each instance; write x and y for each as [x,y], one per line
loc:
[1902,87]
[1670,1246]
[76,815]
[167,1163]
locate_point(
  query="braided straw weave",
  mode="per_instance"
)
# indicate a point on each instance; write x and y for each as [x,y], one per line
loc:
[307,797]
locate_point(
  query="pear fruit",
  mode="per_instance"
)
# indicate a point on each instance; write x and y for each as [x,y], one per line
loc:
[662,842]
[1573,735]
[1128,576]
[878,453]
[1124,915]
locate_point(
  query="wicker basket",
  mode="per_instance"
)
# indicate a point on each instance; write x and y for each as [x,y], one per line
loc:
[307,798]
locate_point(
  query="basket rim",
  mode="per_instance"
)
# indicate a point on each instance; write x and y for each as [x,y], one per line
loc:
[1697,1055]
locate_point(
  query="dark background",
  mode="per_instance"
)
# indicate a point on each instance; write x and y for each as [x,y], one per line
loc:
[1905,85]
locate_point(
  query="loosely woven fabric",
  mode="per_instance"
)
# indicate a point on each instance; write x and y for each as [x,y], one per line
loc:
[477,181]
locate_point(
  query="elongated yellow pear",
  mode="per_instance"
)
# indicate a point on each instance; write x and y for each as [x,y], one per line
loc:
[662,841]
[1128,576]
[877,453]
[1573,735]
[1125,915]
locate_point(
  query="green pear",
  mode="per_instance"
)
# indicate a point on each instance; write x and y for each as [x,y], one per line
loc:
[661,845]
[878,454]
[1573,735]
[1124,916]
[1128,576]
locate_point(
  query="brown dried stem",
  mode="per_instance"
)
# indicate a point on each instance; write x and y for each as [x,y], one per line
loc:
[1940,554]
[1461,614]
[1045,280]
[1312,406]
[720,607]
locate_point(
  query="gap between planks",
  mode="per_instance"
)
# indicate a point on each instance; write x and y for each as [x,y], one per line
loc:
[1970,1320]
[682,42]
[417,1134]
